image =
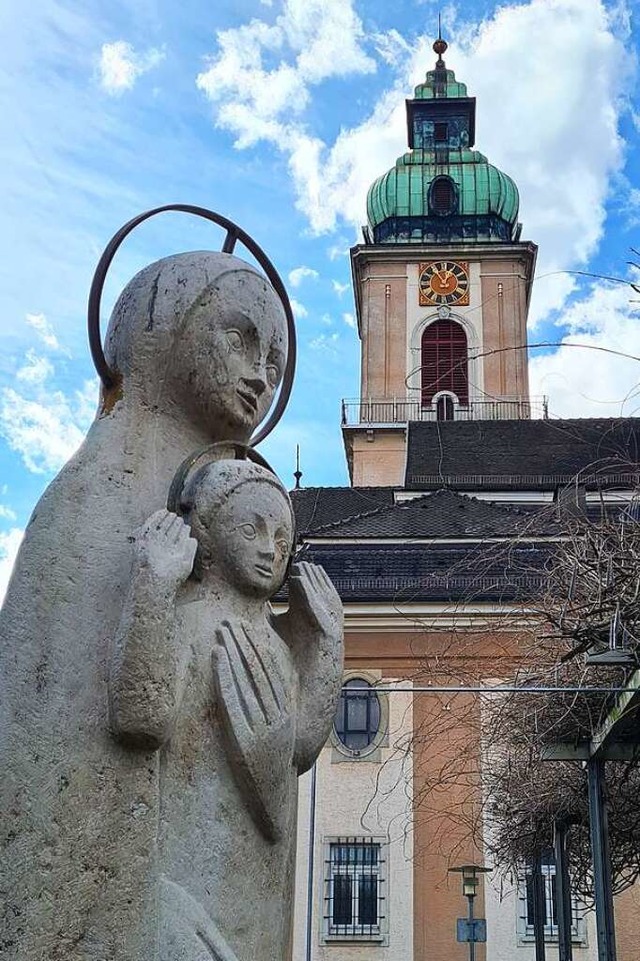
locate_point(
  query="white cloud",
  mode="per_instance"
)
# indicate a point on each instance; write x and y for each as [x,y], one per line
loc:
[45,331]
[552,124]
[325,342]
[298,274]
[6,513]
[592,382]
[349,320]
[339,288]
[36,370]
[341,249]
[299,310]
[120,65]
[48,428]
[9,544]
[314,39]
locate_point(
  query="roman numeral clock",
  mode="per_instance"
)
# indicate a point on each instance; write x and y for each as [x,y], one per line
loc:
[443,282]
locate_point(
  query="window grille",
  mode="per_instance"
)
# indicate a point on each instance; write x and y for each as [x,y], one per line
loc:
[445,366]
[442,196]
[526,900]
[357,719]
[355,889]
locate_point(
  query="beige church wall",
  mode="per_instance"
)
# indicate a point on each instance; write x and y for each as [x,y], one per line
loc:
[378,458]
[503,293]
[627,913]
[446,728]
[361,798]
[383,322]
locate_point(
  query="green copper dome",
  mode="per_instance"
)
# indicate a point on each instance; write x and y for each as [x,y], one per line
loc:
[442,190]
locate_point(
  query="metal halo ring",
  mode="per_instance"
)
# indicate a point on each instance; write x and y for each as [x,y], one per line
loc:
[234,234]
[225,450]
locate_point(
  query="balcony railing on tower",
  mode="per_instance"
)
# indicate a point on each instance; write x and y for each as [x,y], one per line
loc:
[372,410]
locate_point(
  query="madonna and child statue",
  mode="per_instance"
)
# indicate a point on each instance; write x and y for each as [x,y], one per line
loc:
[155,711]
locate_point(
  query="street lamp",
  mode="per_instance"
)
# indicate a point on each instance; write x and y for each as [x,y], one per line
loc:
[470,881]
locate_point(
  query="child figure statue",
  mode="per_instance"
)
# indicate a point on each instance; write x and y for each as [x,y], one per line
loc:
[237,701]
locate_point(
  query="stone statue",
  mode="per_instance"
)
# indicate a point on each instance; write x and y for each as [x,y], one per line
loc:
[239,702]
[87,830]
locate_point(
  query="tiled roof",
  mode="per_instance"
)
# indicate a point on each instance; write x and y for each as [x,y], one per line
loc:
[523,454]
[443,514]
[318,506]
[439,572]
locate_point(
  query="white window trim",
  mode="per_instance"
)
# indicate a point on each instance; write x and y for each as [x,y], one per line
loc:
[525,931]
[381,933]
[372,752]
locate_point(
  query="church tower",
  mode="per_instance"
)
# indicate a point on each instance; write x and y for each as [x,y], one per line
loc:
[442,284]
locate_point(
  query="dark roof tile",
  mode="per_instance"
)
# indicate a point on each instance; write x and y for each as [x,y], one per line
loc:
[443,514]
[519,454]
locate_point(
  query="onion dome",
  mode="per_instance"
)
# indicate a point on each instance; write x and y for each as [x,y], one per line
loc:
[442,190]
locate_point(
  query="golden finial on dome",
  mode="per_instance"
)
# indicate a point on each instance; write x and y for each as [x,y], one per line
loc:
[440,45]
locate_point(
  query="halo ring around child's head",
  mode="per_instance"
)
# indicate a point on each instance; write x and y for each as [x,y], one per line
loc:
[222,450]
[234,234]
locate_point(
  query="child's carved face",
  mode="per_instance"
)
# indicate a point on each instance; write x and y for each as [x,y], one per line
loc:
[247,536]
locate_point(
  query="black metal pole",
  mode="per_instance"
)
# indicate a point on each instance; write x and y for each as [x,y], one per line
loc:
[472,944]
[563,892]
[605,925]
[537,883]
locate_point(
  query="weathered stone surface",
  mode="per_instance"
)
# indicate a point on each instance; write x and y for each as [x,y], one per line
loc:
[91,805]
[239,703]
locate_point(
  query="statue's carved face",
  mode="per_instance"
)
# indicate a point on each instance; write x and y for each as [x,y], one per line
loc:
[248,538]
[231,355]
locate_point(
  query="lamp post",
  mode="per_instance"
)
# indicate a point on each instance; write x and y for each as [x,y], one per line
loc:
[470,881]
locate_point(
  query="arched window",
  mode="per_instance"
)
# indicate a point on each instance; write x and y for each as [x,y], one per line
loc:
[444,362]
[357,720]
[444,407]
[443,198]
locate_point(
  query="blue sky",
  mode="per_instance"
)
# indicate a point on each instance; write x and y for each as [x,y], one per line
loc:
[278,114]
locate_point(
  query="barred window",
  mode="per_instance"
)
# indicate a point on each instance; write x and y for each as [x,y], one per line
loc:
[526,901]
[354,889]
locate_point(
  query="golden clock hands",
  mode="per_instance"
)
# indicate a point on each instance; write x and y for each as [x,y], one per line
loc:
[443,280]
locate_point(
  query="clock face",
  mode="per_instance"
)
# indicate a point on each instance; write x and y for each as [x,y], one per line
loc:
[443,282]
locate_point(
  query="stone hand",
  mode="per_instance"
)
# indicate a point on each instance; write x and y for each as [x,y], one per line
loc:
[313,598]
[259,724]
[251,689]
[164,546]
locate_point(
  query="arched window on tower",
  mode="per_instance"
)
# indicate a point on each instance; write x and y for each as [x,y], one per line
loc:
[444,364]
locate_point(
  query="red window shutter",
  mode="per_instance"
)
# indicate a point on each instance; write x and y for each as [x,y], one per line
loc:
[444,361]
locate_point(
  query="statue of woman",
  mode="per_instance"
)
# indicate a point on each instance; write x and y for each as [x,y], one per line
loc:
[196,342]
[237,701]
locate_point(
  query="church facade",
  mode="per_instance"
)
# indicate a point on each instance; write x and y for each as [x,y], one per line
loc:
[436,549]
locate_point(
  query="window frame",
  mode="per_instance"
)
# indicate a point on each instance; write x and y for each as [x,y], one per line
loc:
[355,933]
[436,209]
[372,751]
[444,362]
[525,928]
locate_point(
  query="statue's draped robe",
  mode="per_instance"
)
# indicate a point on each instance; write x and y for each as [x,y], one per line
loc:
[84,828]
